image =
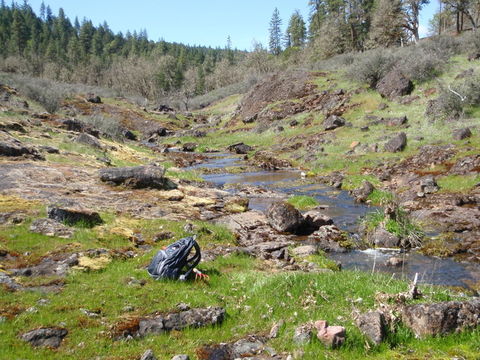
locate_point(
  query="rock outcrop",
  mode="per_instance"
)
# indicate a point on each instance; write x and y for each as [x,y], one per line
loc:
[137,177]
[394,84]
[46,337]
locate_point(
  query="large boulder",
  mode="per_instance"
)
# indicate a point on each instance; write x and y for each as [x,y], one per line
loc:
[315,219]
[333,122]
[47,337]
[397,143]
[283,217]
[394,84]
[441,318]
[138,177]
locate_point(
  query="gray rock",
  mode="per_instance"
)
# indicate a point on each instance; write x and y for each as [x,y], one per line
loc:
[240,148]
[394,84]
[250,119]
[428,185]
[397,143]
[333,122]
[283,217]
[189,147]
[89,140]
[127,134]
[315,219]
[328,238]
[95,99]
[330,336]
[137,177]
[461,134]
[11,147]
[74,216]
[441,318]
[49,149]
[148,355]
[305,250]
[80,126]
[373,326]
[181,320]
[303,334]
[383,238]
[396,121]
[181,357]
[361,194]
[47,337]
[51,227]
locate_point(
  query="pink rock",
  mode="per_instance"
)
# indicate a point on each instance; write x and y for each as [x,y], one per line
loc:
[331,336]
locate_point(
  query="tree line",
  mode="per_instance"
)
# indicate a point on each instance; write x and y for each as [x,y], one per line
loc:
[338,26]
[52,46]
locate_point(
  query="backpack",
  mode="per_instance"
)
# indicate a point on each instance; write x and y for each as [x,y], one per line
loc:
[169,263]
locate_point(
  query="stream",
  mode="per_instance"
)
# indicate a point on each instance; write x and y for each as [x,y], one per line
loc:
[345,212]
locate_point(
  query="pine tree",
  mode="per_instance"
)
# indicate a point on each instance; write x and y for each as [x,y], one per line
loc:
[20,34]
[387,24]
[275,44]
[42,11]
[296,31]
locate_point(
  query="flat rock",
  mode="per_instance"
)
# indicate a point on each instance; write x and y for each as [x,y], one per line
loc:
[315,219]
[137,177]
[373,326]
[50,227]
[181,320]
[11,147]
[441,318]
[305,250]
[47,337]
[74,215]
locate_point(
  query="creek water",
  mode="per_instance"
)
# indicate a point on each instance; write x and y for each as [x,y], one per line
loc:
[346,214]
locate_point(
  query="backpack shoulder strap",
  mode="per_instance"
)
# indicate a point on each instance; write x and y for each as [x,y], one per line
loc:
[193,261]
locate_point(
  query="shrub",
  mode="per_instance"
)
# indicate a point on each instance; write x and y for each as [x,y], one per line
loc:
[371,66]
[109,125]
[419,64]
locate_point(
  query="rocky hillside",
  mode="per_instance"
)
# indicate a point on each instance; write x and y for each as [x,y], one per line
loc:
[90,193]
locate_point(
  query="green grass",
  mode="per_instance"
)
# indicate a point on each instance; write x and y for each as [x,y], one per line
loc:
[303,202]
[458,183]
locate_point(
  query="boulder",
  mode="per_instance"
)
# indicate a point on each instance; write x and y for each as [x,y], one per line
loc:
[396,121]
[385,239]
[240,148]
[394,261]
[79,126]
[89,140]
[293,123]
[330,336]
[11,147]
[428,185]
[250,119]
[461,134]
[361,194]
[127,134]
[283,217]
[373,326]
[148,176]
[333,122]
[397,143]
[47,337]
[94,99]
[328,238]
[189,147]
[72,215]
[474,56]
[315,219]
[181,320]
[394,84]
[441,318]
[51,227]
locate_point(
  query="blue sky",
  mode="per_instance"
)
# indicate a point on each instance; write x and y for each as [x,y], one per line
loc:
[194,22]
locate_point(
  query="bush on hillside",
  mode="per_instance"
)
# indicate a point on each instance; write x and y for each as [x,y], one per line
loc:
[109,125]
[371,66]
